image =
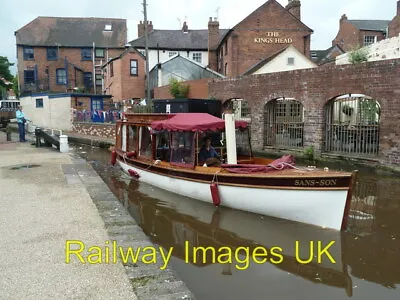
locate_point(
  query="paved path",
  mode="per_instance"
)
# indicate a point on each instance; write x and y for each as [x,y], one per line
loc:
[59,198]
[41,208]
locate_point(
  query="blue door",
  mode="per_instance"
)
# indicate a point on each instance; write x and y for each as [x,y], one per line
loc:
[97,107]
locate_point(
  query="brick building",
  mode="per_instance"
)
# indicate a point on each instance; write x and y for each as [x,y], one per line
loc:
[268,29]
[359,33]
[61,54]
[394,25]
[124,76]
[163,44]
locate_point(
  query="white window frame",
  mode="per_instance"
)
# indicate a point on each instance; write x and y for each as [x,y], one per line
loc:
[172,53]
[368,39]
[196,56]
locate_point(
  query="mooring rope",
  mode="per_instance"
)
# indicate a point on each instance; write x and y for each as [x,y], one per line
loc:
[281,165]
[156,162]
[215,177]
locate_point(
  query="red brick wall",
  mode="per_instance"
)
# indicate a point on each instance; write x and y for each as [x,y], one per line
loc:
[244,52]
[314,88]
[73,56]
[394,27]
[122,85]
[113,84]
[133,86]
[349,37]
[198,90]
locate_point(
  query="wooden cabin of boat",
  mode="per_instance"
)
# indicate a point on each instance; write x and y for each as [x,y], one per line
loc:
[149,145]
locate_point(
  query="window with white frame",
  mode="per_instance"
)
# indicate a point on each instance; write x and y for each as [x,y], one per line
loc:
[369,39]
[172,53]
[134,67]
[197,57]
[61,76]
[290,61]
[99,79]
[99,52]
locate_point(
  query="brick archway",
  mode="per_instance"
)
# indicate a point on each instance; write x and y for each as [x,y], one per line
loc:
[283,123]
[316,87]
[352,125]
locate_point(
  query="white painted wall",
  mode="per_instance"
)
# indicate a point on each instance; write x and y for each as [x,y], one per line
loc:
[164,55]
[55,113]
[385,49]
[280,62]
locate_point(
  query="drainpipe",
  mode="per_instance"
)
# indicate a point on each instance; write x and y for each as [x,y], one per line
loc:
[94,70]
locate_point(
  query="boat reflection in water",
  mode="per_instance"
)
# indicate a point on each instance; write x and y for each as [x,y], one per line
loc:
[367,256]
[174,220]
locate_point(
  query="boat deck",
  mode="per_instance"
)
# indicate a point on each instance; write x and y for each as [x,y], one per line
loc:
[288,173]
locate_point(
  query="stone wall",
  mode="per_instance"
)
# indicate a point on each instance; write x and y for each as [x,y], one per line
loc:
[94,129]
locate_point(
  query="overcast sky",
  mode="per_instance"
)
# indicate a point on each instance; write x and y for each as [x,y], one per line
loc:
[320,15]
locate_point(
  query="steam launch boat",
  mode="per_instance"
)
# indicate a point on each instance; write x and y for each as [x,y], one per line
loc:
[210,159]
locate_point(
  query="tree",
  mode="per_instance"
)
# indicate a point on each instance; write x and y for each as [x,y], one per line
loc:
[6,77]
[5,74]
[178,89]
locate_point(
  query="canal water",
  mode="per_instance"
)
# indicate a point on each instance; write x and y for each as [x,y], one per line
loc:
[362,263]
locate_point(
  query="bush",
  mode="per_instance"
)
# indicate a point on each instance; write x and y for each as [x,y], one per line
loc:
[178,89]
[358,55]
[309,153]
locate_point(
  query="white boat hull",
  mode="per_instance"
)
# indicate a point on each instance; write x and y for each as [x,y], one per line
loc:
[321,208]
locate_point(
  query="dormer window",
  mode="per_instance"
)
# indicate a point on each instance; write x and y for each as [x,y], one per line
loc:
[108,27]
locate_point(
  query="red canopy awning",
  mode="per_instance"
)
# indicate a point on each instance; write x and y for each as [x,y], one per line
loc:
[193,122]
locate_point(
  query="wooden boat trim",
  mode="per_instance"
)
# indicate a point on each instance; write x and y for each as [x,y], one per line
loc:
[208,177]
[348,201]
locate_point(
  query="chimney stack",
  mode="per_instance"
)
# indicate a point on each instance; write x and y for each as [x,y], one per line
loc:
[185,28]
[294,8]
[213,34]
[213,39]
[343,18]
[398,8]
[141,28]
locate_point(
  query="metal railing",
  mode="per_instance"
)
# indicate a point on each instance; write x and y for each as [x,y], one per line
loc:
[355,139]
[283,124]
[352,126]
[35,87]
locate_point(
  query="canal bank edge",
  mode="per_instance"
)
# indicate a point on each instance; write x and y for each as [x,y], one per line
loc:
[148,280]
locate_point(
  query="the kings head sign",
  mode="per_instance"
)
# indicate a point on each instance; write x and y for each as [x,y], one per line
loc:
[272,38]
